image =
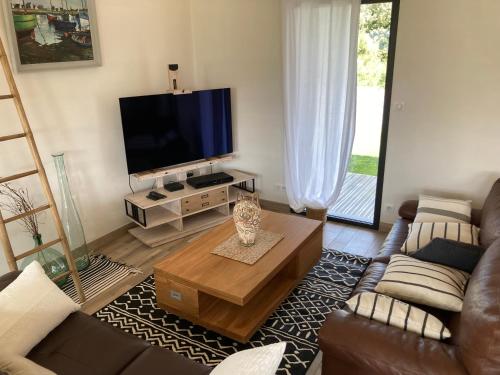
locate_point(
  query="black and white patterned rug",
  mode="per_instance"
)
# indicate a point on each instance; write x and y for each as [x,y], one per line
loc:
[296,321]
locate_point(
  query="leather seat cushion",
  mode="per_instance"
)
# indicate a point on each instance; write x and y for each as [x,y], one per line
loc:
[160,361]
[83,345]
[357,345]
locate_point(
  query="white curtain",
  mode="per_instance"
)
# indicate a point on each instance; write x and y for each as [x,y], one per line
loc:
[320,71]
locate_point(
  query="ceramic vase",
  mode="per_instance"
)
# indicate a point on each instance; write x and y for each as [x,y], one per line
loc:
[247,218]
[70,218]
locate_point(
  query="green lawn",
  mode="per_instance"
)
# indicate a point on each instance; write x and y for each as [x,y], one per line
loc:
[363,165]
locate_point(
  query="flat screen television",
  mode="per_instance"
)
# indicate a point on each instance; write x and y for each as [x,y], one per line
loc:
[166,130]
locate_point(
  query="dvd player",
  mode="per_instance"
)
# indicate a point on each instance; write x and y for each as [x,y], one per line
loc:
[209,180]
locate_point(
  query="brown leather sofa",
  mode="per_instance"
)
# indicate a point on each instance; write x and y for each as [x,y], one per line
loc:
[83,345]
[356,345]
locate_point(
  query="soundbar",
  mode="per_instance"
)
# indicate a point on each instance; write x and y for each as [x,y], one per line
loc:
[207,180]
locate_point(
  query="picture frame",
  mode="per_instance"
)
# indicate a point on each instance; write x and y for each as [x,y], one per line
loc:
[52,34]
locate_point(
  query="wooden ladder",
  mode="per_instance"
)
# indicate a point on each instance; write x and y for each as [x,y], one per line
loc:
[28,135]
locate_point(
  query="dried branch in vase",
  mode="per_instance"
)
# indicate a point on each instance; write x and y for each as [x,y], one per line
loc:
[17,202]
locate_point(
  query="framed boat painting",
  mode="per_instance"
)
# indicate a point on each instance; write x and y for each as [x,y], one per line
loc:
[52,34]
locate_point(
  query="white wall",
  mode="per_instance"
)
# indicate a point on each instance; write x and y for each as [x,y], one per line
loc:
[77,110]
[446,139]
[237,44]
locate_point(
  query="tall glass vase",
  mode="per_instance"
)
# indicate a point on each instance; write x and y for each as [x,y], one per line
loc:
[70,218]
[52,261]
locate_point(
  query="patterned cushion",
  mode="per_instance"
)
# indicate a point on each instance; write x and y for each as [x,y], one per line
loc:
[421,234]
[424,283]
[440,210]
[398,314]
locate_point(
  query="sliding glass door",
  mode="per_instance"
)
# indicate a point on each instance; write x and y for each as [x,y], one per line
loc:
[360,199]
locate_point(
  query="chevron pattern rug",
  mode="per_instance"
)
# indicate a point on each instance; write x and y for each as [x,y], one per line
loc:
[296,321]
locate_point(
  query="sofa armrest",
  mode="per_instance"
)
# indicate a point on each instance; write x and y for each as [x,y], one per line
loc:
[408,210]
[367,346]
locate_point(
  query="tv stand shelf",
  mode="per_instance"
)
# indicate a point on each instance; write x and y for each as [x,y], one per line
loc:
[184,212]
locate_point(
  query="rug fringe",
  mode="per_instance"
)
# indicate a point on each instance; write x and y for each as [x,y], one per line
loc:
[132,269]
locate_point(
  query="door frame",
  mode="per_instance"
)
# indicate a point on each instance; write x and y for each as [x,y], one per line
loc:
[385,118]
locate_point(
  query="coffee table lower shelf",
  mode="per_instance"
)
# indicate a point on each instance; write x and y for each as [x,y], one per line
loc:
[231,320]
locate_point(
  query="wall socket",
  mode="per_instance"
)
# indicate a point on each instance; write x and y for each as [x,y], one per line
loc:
[389,207]
[280,187]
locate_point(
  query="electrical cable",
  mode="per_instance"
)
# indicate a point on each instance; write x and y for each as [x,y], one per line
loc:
[130,184]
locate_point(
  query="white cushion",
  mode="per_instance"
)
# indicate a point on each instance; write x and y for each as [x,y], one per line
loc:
[30,308]
[395,313]
[421,234]
[13,364]
[440,210]
[424,283]
[259,361]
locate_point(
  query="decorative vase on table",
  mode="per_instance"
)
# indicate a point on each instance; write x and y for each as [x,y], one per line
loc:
[70,218]
[52,261]
[247,218]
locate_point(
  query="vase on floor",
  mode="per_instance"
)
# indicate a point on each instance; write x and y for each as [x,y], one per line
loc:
[70,218]
[52,261]
[247,218]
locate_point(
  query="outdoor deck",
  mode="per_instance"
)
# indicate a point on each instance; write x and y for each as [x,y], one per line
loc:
[357,198]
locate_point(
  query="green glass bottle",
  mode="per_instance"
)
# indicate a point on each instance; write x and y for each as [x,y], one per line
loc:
[70,218]
[52,261]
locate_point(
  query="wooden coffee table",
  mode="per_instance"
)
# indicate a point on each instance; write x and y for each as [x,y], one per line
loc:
[230,297]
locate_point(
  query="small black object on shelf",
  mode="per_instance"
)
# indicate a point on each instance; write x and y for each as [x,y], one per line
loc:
[209,180]
[174,186]
[155,196]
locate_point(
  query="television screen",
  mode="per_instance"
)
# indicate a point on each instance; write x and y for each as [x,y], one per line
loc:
[166,130]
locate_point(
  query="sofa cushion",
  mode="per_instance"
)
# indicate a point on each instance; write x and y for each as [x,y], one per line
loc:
[450,253]
[13,364]
[490,219]
[83,345]
[438,210]
[395,313]
[30,307]
[263,360]
[425,283]
[421,234]
[8,278]
[479,334]
[155,360]
[355,345]
[408,211]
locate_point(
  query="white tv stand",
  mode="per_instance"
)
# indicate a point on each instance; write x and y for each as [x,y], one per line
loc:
[184,212]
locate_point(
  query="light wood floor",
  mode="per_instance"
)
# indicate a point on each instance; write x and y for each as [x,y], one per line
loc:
[124,248]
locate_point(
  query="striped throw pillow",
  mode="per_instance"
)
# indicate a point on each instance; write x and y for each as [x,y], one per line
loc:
[440,210]
[421,234]
[395,313]
[425,283]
